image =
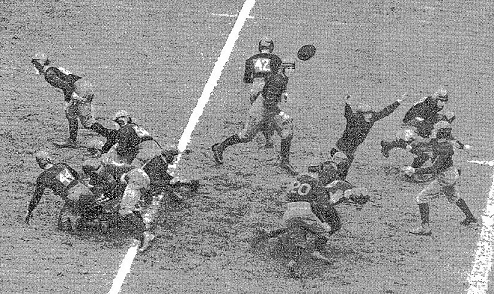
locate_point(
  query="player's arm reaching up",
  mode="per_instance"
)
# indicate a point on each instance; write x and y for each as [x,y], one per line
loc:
[390,108]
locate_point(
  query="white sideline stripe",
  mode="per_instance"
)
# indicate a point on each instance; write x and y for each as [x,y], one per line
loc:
[479,276]
[193,120]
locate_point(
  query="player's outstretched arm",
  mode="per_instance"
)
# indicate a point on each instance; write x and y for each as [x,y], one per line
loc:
[38,192]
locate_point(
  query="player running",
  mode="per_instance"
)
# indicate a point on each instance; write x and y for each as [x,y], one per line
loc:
[446,177]
[358,126]
[265,111]
[64,181]
[257,68]
[78,96]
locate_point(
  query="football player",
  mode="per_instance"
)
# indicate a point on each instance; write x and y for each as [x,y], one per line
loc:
[358,125]
[64,181]
[311,209]
[265,111]
[78,96]
[286,69]
[446,177]
[419,121]
[257,68]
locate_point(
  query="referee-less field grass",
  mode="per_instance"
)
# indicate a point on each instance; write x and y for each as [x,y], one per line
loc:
[153,59]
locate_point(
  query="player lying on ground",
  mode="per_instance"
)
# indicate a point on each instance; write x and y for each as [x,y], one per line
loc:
[359,122]
[311,209]
[78,96]
[446,177]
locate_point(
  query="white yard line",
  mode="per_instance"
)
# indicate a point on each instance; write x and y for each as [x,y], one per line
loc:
[193,120]
[479,276]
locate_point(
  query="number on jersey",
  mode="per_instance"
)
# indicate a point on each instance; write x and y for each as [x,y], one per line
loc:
[65,177]
[262,65]
[300,189]
[141,132]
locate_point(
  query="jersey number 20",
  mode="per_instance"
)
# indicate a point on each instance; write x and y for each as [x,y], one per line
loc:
[300,189]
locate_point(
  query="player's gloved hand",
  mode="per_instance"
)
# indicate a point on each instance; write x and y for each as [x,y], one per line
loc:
[408,170]
[28,216]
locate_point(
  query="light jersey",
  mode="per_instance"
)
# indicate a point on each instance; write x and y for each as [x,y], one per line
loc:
[59,178]
[260,66]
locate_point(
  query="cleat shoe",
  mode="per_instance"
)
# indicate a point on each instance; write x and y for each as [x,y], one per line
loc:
[318,255]
[217,153]
[422,231]
[385,149]
[146,242]
[66,144]
[469,220]
[288,168]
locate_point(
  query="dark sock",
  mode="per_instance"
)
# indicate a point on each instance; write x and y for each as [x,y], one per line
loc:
[464,208]
[285,149]
[424,212]
[73,130]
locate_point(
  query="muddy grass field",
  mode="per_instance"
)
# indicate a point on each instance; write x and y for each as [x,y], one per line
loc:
[153,58]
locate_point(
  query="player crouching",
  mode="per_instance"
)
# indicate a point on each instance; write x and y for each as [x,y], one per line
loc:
[311,209]
[446,177]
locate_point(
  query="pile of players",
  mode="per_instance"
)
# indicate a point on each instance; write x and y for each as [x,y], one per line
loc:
[130,166]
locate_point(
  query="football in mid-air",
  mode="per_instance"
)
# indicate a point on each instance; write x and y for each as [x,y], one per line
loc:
[306,52]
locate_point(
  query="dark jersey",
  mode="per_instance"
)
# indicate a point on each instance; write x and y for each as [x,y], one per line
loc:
[129,137]
[319,198]
[274,88]
[260,66]
[427,110]
[357,128]
[60,177]
[442,154]
[157,170]
[59,79]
